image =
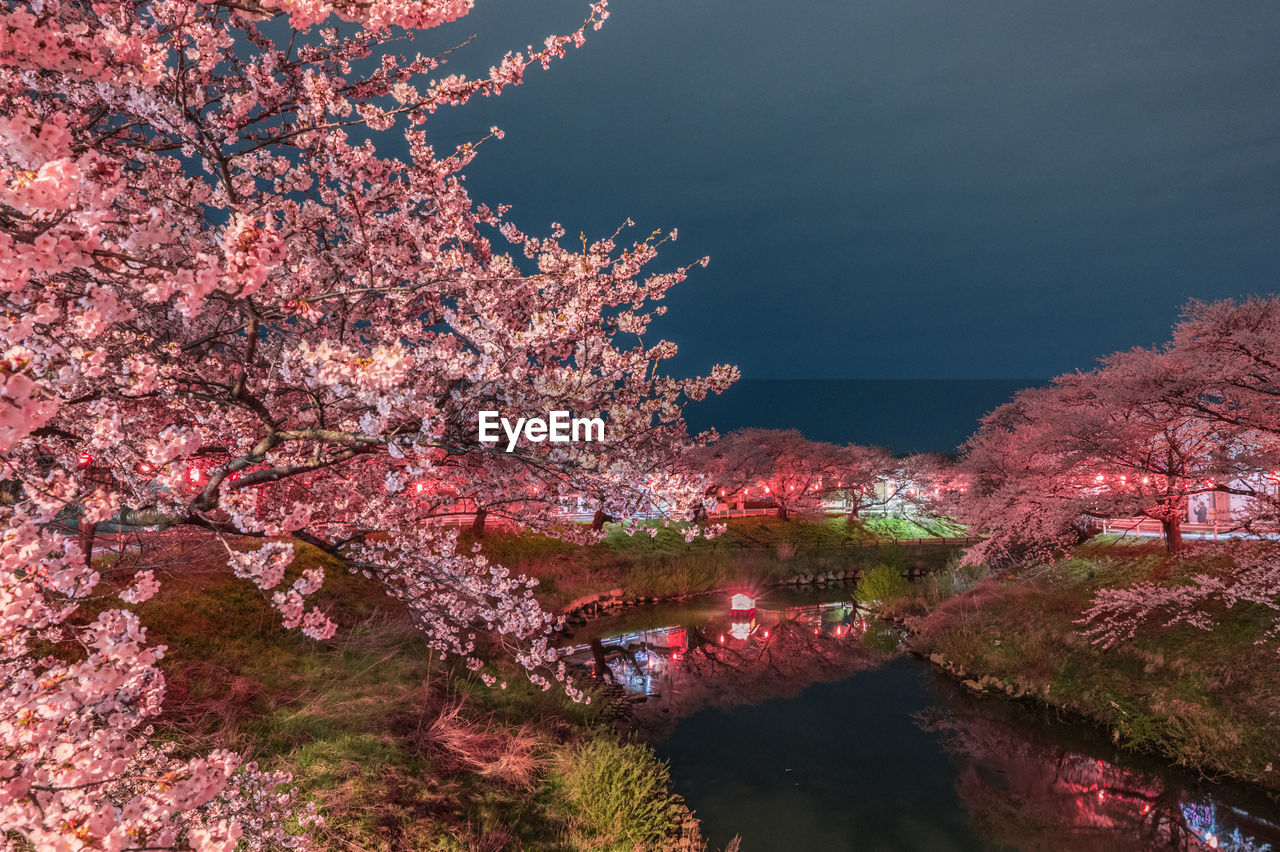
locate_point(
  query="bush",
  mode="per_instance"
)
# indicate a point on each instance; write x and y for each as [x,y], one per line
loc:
[618,791]
[881,585]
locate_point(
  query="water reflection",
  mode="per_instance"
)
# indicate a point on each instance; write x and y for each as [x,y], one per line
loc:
[1026,789]
[839,732]
[740,654]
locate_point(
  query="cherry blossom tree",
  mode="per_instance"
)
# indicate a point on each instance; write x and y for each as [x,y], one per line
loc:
[794,471]
[867,478]
[1093,445]
[1140,436]
[224,308]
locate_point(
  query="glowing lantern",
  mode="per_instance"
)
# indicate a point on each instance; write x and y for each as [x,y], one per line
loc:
[418,488]
[766,634]
[741,603]
[721,638]
[145,468]
[84,460]
[194,474]
[766,489]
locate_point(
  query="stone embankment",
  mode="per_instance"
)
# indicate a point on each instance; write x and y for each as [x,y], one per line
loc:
[978,682]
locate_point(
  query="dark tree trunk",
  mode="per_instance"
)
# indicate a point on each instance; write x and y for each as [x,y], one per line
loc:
[782,512]
[477,523]
[86,533]
[853,512]
[602,664]
[1172,529]
[598,520]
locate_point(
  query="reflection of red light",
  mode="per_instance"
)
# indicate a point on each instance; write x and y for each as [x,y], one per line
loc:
[84,460]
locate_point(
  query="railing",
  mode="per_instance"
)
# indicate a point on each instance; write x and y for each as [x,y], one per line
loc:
[1149,528]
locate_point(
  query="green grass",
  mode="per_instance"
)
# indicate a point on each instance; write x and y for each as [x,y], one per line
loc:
[755,549]
[1206,699]
[400,751]
[618,794]
[881,586]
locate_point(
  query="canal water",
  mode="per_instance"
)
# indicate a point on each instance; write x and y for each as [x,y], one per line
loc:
[792,722]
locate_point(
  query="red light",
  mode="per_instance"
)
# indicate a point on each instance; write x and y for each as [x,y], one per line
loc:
[721,638]
[418,488]
[766,489]
[145,468]
[721,492]
[1102,795]
[194,474]
[766,634]
[84,460]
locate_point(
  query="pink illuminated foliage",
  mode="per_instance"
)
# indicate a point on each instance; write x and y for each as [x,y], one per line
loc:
[1138,437]
[225,309]
[779,464]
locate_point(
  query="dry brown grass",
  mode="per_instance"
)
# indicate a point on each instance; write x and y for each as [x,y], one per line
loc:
[461,741]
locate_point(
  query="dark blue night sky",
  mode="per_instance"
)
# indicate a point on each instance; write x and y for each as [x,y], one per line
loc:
[998,188]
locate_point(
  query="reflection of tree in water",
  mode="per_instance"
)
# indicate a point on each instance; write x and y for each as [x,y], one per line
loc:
[716,670]
[1028,793]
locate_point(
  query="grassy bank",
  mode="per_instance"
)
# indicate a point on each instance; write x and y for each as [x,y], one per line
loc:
[403,752]
[400,751]
[755,550]
[1206,699]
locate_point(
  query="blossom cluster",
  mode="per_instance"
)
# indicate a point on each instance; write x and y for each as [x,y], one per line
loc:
[225,308]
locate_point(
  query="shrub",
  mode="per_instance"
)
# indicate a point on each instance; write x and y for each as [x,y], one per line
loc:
[618,791]
[881,585]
